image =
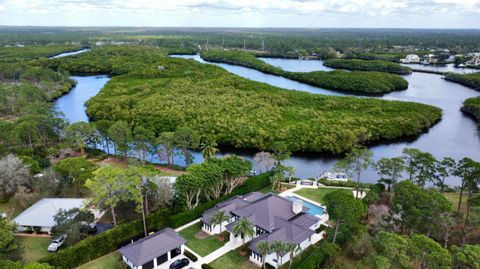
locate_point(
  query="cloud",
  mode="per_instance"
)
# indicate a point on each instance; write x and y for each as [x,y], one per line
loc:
[244,12]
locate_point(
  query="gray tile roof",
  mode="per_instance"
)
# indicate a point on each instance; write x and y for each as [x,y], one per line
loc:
[266,209]
[304,220]
[232,204]
[152,246]
[285,231]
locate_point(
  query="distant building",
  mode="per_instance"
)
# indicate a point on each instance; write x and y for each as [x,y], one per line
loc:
[411,58]
[154,250]
[40,216]
[429,59]
[475,61]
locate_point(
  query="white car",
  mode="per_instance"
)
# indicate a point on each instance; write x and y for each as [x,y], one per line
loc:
[57,242]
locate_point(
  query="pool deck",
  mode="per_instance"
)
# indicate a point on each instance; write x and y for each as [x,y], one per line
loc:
[291,192]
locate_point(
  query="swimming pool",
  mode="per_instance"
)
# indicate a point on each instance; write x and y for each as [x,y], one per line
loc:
[312,209]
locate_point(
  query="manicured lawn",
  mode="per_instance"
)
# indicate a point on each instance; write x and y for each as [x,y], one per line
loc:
[202,246]
[112,260]
[269,188]
[233,260]
[33,248]
[317,195]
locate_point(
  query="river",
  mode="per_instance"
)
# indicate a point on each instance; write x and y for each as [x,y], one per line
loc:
[456,135]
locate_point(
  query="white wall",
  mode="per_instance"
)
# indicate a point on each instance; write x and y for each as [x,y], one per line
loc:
[216,228]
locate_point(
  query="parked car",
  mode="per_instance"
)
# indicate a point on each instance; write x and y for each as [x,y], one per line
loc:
[179,263]
[56,243]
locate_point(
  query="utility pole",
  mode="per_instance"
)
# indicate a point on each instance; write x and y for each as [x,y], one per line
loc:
[207,44]
[244,45]
[263,45]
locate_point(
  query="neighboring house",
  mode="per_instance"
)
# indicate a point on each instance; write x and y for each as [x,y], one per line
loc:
[429,59]
[40,216]
[475,61]
[154,250]
[411,58]
[273,217]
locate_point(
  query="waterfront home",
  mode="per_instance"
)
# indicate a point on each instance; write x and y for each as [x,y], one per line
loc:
[411,58]
[40,216]
[154,251]
[475,61]
[273,218]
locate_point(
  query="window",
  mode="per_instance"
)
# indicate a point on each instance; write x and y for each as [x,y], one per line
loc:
[162,259]
[148,265]
[175,253]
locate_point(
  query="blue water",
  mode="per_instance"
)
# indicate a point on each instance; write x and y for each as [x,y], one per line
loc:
[73,104]
[65,54]
[456,135]
[312,209]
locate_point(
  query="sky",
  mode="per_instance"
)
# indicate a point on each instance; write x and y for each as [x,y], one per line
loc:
[244,13]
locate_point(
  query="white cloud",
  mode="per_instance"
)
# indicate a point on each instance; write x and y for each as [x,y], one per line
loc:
[244,12]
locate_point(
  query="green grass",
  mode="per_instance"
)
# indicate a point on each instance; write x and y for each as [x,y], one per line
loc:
[233,260]
[204,246]
[453,197]
[9,209]
[269,188]
[112,260]
[33,248]
[317,195]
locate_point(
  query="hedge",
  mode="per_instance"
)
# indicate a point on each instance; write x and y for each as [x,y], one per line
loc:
[190,255]
[311,258]
[109,241]
[206,266]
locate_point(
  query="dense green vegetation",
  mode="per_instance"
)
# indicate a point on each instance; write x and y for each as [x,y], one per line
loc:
[472,107]
[285,42]
[357,81]
[185,93]
[470,80]
[25,85]
[364,65]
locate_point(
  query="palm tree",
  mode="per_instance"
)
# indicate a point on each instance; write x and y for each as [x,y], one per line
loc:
[291,248]
[218,218]
[264,248]
[277,181]
[245,228]
[291,172]
[278,247]
[209,148]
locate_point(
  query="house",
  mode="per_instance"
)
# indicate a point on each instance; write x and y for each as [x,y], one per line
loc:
[273,218]
[429,59]
[475,61]
[40,216]
[154,250]
[411,58]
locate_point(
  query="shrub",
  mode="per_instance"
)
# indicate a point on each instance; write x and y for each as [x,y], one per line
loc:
[190,255]
[206,266]
[315,256]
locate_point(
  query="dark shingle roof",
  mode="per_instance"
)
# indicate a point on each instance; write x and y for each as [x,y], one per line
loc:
[285,231]
[266,209]
[304,220]
[152,246]
[232,204]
